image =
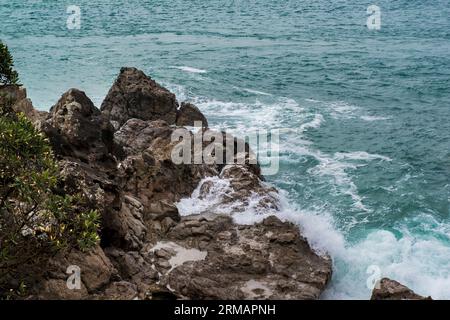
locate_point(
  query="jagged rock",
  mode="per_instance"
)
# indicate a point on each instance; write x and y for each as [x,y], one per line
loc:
[80,130]
[161,210]
[17,95]
[96,271]
[188,114]
[135,95]
[157,292]
[121,290]
[134,268]
[210,257]
[387,289]
[152,176]
[128,223]
[121,225]
[246,187]
[96,268]
[241,154]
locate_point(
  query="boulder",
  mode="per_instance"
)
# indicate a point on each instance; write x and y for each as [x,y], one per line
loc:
[96,271]
[210,257]
[188,114]
[135,95]
[77,129]
[387,289]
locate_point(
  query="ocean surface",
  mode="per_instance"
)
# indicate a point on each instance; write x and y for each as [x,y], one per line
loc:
[364,115]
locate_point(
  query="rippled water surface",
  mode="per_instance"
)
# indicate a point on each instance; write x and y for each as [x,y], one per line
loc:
[364,115]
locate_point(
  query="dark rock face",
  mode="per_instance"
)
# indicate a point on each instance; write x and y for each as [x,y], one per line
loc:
[188,114]
[392,290]
[147,250]
[81,130]
[134,95]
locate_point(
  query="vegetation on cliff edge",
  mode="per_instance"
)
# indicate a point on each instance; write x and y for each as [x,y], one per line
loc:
[37,219]
[7,74]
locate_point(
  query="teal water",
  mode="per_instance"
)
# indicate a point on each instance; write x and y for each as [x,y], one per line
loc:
[365,115]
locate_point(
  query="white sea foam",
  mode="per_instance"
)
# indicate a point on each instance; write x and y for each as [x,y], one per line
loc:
[374,118]
[257,92]
[340,109]
[418,261]
[197,205]
[315,123]
[344,110]
[360,155]
[337,170]
[190,69]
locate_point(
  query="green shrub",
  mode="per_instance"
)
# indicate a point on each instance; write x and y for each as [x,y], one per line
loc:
[7,74]
[36,218]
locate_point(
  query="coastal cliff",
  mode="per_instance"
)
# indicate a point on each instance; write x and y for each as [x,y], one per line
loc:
[119,158]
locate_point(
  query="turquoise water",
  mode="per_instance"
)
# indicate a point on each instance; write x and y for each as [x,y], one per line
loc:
[364,115]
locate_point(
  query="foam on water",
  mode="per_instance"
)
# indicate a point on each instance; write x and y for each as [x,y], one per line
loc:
[419,261]
[374,118]
[257,92]
[360,155]
[190,69]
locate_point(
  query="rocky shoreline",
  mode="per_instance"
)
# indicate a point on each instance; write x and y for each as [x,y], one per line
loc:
[119,158]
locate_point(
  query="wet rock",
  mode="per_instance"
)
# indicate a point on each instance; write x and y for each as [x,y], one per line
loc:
[158,292]
[247,187]
[210,257]
[387,289]
[135,95]
[151,174]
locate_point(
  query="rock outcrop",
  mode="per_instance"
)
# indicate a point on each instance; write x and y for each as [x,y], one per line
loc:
[188,114]
[121,160]
[17,95]
[135,95]
[387,289]
[82,131]
[210,257]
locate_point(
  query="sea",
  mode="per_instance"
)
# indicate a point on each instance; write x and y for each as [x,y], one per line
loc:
[362,110]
